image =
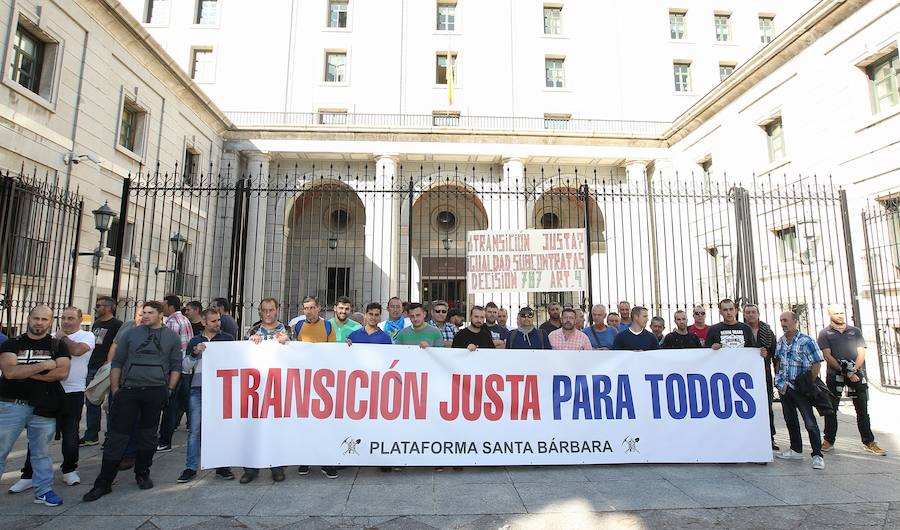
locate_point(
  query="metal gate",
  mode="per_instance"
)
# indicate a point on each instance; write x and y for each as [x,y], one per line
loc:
[881,229]
[333,231]
[39,230]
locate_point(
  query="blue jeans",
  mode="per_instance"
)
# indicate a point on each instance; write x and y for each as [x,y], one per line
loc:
[793,402]
[92,413]
[14,418]
[193,440]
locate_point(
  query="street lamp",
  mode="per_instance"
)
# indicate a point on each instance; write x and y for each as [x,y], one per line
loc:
[103,220]
[177,245]
[332,243]
[447,243]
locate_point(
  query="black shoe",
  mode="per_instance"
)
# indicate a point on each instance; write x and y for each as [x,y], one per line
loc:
[775,447]
[329,472]
[87,443]
[225,473]
[95,493]
[247,478]
[278,476]
[186,476]
[303,470]
[144,482]
[126,463]
[164,448]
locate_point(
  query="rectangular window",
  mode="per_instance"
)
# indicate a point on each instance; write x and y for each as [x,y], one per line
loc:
[337,13]
[113,238]
[332,116]
[203,66]
[788,246]
[766,29]
[677,28]
[446,16]
[723,28]
[552,20]
[892,217]
[775,137]
[883,83]
[207,12]
[128,127]
[28,60]
[440,71]
[191,168]
[335,67]
[557,122]
[441,118]
[338,284]
[682,73]
[725,70]
[156,12]
[554,72]
[707,166]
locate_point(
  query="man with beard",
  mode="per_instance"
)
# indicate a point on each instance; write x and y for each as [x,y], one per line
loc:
[636,336]
[371,333]
[729,333]
[439,315]
[498,333]
[568,337]
[554,322]
[526,336]
[342,324]
[657,326]
[845,353]
[420,333]
[32,365]
[105,328]
[764,338]
[474,335]
[395,320]
[456,318]
[680,337]
[600,334]
[193,311]
[503,317]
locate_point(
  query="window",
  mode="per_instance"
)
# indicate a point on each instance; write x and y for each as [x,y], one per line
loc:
[775,137]
[443,118]
[883,84]
[28,59]
[156,12]
[682,73]
[556,121]
[203,65]
[113,239]
[445,221]
[552,20]
[191,168]
[337,13]
[338,284]
[131,127]
[555,75]
[892,216]
[766,29]
[440,71]
[707,166]
[207,12]
[788,246]
[333,116]
[550,221]
[725,70]
[336,67]
[677,28]
[446,16]
[723,28]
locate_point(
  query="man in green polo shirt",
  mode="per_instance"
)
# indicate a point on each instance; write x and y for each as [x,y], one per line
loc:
[420,332]
[342,324]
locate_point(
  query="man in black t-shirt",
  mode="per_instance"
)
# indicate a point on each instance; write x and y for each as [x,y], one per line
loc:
[554,318]
[729,333]
[105,329]
[680,338]
[474,335]
[31,396]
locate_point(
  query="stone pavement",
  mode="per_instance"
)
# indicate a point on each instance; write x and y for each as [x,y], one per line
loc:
[856,489]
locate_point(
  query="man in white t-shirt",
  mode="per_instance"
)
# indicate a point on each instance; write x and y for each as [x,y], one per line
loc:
[80,344]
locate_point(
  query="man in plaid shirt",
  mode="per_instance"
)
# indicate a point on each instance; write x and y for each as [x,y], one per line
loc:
[439,309]
[179,404]
[796,356]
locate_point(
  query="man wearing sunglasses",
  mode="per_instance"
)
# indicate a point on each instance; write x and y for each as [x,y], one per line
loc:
[106,327]
[699,326]
[439,311]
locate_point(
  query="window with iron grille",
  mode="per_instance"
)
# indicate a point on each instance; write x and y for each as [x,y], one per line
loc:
[446,16]
[128,128]
[556,121]
[775,140]
[788,247]
[682,72]
[445,118]
[891,206]
[766,29]
[440,72]
[723,28]
[112,239]
[336,67]
[725,70]
[337,13]
[333,116]
[554,72]
[338,284]
[207,12]
[552,20]
[883,85]
[677,27]
[191,168]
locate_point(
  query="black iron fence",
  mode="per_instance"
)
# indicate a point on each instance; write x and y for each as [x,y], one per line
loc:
[362,232]
[881,225]
[39,231]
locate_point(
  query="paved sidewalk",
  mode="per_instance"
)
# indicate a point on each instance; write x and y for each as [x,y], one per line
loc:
[856,489]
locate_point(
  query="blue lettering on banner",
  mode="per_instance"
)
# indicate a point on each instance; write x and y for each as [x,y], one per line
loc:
[593,401]
[695,396]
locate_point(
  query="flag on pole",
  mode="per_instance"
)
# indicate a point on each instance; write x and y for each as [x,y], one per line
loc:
[450,79]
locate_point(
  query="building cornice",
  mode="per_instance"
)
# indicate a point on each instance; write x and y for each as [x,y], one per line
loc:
[815,23]
[163,66]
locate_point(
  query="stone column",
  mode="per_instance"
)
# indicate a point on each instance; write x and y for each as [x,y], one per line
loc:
[382,235]
[636,171]
[257,177]
[513,216]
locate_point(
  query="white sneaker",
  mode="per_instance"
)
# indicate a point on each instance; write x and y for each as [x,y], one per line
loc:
[789,454]
[818,462]
[72,478]
[21,485]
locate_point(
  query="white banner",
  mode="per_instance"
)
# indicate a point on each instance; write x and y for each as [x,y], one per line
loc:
[374,405]
[526,261]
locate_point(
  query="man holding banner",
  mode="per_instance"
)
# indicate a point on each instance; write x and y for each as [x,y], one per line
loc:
[474,335]
[568,337]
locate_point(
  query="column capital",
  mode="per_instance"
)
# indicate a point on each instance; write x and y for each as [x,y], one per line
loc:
[257,155]
[395,157]
[632,163]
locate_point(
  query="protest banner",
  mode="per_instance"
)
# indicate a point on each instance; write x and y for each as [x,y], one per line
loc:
[526,261]
[375,405]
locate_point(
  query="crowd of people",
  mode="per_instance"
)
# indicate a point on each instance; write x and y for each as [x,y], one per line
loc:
[147,370]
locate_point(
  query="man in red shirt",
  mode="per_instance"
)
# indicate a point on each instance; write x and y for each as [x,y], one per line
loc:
[699,326]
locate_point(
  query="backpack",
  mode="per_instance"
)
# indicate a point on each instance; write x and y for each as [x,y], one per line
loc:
[300,325]
[540,336]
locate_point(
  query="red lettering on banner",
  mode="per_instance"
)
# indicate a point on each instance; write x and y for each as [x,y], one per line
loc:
[293,388]
[272,395]
[471,405]
[531,403]
[339,394]
[323,406]
[373,395]
[493,407]
[478,395]
[360,379]
[227,376]
[391,395]
[412,394]
[248,392]
[514,381]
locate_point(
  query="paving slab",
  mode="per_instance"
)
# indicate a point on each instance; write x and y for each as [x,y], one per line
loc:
[553,474]
[412,475]
[725,493]
[477,498]
[644,495]
[808,489]
[566,497]
[299,498]
[400,499]
[95,522]
[473,475]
